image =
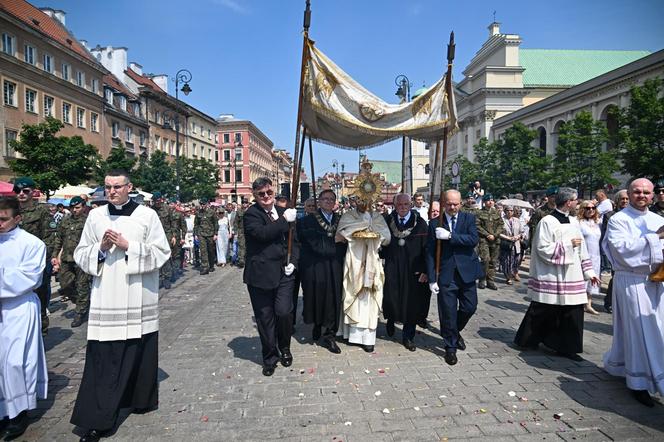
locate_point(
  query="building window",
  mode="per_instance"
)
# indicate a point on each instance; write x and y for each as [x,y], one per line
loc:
[238,155]
[157,115]
[210,154]
[216,139]
[227,138]
[8,44]
[109,96]
[9,93]
[30,98]
[238,137]
[48,63]
[66,71]
[80,117]
[227,155]
[193,128]
[66,112]
[157,142]
[216,156]
[129,136]
[123,102]
[48,106]
[115,129]
[95,85]
[94,122]
[29,54]
[193,148]
[80,78]
[141,138]
[238,175]
[227,176]
[137,109]
[10,135]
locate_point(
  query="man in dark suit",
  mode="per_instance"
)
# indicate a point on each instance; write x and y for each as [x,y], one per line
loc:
[268,273]
[454,282]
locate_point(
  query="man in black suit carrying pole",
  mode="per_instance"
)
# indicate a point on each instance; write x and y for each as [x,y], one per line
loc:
[459,268]
[268,275]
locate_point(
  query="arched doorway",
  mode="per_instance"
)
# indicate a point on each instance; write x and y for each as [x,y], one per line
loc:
[541,136]
[609,118]
[555,136]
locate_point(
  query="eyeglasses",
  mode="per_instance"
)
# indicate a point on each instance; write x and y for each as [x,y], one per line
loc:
[659,191]
[589,208]
[116,187]
[326,199]
[263,194]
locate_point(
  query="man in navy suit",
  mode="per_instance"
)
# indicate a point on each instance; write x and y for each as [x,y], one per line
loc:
[269,275]
[454,282]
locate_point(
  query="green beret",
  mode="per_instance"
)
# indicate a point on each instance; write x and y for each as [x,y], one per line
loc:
[23,182]
[551,190]
[659,184]
[203,200]
[156,195]
[470,195]
[76,200]
[488,197]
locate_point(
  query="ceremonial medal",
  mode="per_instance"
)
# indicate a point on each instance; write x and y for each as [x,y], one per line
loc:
[329,234]
[402,242]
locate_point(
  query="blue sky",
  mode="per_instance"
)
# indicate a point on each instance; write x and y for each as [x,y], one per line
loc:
[244,55]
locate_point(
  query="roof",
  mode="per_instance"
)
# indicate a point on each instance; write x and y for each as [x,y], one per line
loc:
[143,80]
[564,67]
[43,23]
[419,92]
[113,81]
[391,169]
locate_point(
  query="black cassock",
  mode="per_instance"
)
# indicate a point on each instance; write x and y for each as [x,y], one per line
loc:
[321,271]
[404,297]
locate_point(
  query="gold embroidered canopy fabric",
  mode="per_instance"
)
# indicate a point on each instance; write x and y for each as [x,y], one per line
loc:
[339,111]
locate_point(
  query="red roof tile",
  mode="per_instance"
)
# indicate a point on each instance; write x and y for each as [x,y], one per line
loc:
[36,19]
[113,81]
[143,80]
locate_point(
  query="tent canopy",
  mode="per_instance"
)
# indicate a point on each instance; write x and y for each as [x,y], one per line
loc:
[68,191]
[6,189]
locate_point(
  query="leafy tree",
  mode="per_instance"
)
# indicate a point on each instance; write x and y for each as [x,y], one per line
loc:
[156,174]
[117,159]
[51,160]
[580,161]
[640,137]
[198,179]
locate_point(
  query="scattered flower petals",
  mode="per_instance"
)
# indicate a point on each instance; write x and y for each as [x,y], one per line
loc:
[511,393]
[204,419]
[301,394]
[348,423]
[482,410]
[302,371]
[311,370]
[341,372]
[381,371]
[523,399]
[386,411]
[378,393]
[366,371]
[416,408]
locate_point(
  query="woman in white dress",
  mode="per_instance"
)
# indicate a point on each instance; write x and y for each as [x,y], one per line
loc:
[222,238]
[590,228]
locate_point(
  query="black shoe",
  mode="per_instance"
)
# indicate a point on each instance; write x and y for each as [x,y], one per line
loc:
[268,370]
[331,345]
[481,285]
[423,324]
[79,319]
[91,436]
[608,309]
[286,358]
[212,269]
[572,356]
[491,285]
[410,345]
[390,327]
[368,348]
[315,333]
[644,397]
[461,344]
[450,358]
[16,426]
[3,424]
[205,272]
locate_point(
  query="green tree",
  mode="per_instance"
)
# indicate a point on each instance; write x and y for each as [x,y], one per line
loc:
[580,161]
[640,137]
[157,174]
[51,160]
[117,159]
[198,179]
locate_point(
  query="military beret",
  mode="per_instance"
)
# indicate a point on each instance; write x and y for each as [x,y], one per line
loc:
[551,190]
[23,182]
[156,195]
[659,184]
[488,197]
[76,200]
[203,200]
[470,195]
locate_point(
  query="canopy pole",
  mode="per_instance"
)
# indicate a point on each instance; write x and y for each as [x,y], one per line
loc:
[448,89]
[313,174]
[295,182]
[297,171]
[434,177]
[404,166]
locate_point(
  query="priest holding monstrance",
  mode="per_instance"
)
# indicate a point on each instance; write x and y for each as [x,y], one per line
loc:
[366,231]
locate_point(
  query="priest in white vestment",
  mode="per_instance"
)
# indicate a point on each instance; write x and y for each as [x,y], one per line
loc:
[363,274]
[633,244]
[123,245]
[23,374]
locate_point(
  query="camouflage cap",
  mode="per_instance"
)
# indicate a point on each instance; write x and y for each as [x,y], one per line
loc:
[24,182]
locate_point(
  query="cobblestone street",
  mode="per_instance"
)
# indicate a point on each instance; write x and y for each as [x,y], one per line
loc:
[212,388]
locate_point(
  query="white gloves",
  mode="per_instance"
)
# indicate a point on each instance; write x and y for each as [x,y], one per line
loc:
[434,286]
[290,268]
[290,215]
[442,233]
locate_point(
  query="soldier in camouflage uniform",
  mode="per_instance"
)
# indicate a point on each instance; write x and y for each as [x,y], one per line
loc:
[469,204]
[74,282]
[543,211]
[238,228]
[180,226]
[489,228]
[205,228]
[36,219]
[166,218]
[658,205]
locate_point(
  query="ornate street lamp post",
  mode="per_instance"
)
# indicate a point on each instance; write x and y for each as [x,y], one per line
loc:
[233,166]
[182,76]
[403,92]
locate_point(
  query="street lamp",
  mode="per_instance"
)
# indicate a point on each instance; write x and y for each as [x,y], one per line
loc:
[403,92]
[233,165]
[182,76]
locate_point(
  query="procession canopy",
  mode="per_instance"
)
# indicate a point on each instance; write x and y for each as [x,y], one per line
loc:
[339,111]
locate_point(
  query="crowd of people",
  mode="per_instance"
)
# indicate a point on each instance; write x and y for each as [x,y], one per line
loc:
[352,261]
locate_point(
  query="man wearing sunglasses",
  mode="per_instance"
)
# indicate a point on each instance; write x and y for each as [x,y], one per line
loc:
[268,273]
[35,219]
[658,205]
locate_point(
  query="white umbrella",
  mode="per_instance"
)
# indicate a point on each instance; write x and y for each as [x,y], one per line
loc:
[515,203]
[146,195]
[68,192]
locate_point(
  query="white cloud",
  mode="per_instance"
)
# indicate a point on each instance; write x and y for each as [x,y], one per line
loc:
[234,5]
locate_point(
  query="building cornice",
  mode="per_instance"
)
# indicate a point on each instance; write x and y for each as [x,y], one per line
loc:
[223,126]
[108,109]
[490,46]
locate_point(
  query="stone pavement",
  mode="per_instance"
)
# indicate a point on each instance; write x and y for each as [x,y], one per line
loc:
[212,388]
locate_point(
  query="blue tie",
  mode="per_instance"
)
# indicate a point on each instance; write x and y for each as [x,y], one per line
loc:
[453,223]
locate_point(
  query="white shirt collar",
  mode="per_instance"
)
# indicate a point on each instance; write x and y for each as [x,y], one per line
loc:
[327,216]
[121,205]
[405,218]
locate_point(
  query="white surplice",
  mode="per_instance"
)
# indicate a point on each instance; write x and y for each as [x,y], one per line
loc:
[635,250]
[125,287]
[363,276]
[23,374]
